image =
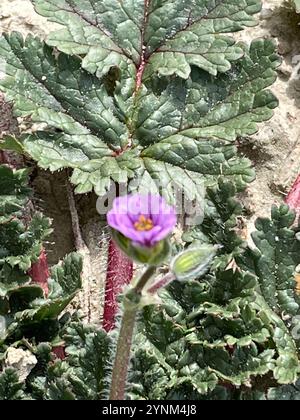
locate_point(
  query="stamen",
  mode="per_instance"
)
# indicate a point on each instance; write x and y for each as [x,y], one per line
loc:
[143,224]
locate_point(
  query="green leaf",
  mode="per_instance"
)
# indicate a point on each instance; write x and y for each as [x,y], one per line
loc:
[59,93]
[229,105]
[220,225]
[27,317]
[59,390]
[64,283]
[14,192]
[67,275]
[167,133]
[207,333]
[12,144]
[287,367]
[191,341]
[88,354]
[276,258]
[20,244]
[149,36]
[22,297]
[11,278]
[285,392]
[10,386]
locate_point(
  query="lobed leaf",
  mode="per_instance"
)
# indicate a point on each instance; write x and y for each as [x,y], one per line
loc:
[10,386]
[276,258]
[14,192]
[83,375]
[170,132]
[151,36]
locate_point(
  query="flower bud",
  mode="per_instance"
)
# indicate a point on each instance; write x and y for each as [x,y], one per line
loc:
[193,262]
[141,226]
[155,255]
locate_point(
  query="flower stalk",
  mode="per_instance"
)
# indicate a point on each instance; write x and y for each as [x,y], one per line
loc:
[122,358]
[163,282]
[140,226]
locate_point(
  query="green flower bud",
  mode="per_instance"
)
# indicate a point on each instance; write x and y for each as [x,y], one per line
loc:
[155,255]
[193,262]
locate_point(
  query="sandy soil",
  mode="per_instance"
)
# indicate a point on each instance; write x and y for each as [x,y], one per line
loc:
[19,15]
[275,150]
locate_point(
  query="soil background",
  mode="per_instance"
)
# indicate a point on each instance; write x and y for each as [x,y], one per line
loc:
[274,151]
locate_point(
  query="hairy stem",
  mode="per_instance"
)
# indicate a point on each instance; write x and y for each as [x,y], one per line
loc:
[3,157]
[119,274]
[144,279]
[39,272]
[122,357]
[164,282]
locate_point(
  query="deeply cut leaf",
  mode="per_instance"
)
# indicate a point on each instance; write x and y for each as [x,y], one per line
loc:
[13,192]
[88,355]
[20,244]
[276,259]
[64,283]
[10,386]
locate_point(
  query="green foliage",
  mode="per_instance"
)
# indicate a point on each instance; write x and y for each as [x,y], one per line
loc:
[114,113]
[285,393]
[275,258]
[10,386]
[214,338]
[20,239]
[170,35]
[221,330]
[63,288]
[156,92]
[211,336]
[13,192]
[219,226]
[27,316]
[82,376]
[21,242]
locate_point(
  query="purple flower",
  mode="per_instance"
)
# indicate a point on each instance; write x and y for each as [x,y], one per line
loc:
[145,219]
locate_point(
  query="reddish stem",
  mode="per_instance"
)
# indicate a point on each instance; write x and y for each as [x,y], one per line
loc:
[139,74]
[12,159]
[164,282]
[3,157]
[59,352]
[143,61]
[39,272]
[293,198]
[119,273]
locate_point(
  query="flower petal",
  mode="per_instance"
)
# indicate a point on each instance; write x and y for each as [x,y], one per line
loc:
[127,210]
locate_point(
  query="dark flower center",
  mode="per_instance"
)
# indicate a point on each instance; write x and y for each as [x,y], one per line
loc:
[143,224]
